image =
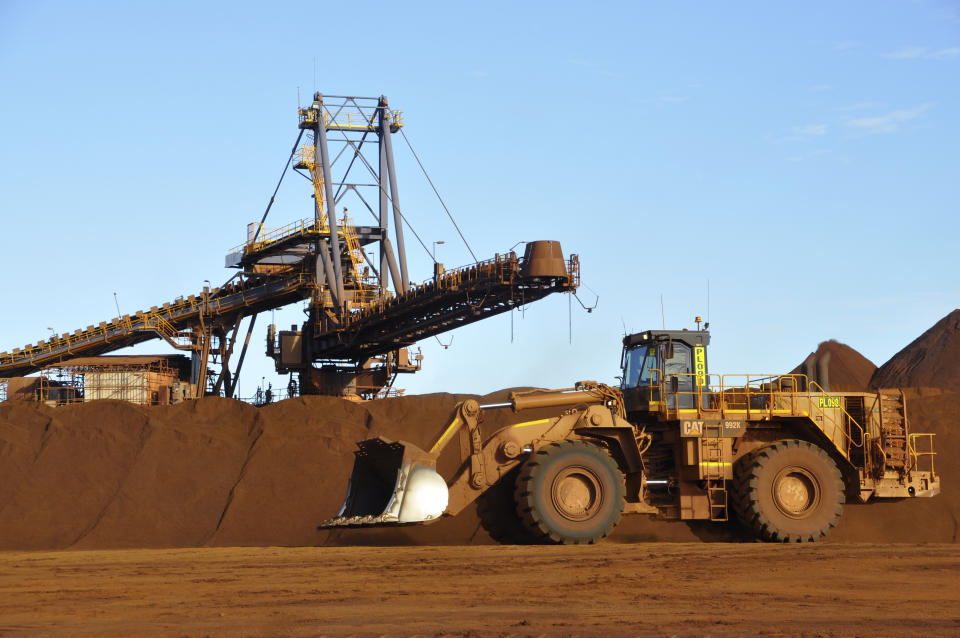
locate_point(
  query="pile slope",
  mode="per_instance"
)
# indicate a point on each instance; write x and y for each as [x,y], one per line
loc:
[849,371]
[930,360]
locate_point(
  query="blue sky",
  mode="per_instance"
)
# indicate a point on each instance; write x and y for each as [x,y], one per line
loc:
[801,158]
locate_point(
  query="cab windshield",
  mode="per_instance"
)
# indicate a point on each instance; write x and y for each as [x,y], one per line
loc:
[639,362]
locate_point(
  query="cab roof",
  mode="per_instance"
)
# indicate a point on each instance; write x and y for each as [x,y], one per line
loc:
[689,337]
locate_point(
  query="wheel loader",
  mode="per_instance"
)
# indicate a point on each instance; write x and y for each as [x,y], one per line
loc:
[780,454]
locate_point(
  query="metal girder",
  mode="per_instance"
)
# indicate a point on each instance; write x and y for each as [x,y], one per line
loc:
[243,297]
[452,301]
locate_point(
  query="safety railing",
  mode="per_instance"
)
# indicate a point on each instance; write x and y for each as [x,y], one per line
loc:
[349,118]
[755,396]
[916,454]
[355,251]
[269,236]
[851,422]
[455,276]
[501,268]
[307,155]
[167,331]
[228,299]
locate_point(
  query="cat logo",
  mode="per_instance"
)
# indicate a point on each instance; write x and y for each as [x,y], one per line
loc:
[691,428]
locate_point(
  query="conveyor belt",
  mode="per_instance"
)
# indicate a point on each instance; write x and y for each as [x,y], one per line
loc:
[171,321]
[454,299]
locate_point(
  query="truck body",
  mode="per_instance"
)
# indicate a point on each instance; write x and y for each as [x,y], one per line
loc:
[779,453]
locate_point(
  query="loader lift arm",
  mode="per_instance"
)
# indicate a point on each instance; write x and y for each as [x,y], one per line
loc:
[398,482]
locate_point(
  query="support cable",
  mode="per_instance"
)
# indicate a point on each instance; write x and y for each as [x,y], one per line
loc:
[402,216]
[442,203]
[272,197]
[356,152]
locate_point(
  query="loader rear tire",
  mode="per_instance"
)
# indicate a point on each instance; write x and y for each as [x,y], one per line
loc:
[789,492]
[570,492]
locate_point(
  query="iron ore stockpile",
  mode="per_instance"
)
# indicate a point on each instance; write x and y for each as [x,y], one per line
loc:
[219,472]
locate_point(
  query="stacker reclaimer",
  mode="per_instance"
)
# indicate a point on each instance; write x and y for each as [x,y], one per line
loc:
[363,310]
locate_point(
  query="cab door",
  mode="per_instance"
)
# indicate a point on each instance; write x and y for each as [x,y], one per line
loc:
[678,375]
[641,377]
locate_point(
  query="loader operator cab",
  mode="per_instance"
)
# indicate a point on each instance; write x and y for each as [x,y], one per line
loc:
[658,362]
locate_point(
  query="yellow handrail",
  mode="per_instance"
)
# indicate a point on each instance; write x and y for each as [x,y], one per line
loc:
[725,397]
[916,454]
[126,324]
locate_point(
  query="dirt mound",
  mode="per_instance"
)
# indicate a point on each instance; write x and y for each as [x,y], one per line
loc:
[217,472]
[847,370]
[109,474]
[931,360]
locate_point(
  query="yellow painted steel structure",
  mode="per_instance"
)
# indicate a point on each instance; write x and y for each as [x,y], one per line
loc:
[172,321]
[349,121]
[764,397]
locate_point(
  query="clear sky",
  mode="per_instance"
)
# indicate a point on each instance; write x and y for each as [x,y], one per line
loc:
[801,157]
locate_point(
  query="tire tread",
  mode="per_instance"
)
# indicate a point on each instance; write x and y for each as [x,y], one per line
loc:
[746,485]
[526,503]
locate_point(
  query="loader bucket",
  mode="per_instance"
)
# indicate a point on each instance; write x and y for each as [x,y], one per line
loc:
[393,482]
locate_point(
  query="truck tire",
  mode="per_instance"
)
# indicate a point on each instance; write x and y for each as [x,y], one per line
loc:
[788,492]
[570,492]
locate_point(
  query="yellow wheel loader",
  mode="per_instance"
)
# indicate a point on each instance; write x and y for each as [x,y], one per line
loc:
[779,453]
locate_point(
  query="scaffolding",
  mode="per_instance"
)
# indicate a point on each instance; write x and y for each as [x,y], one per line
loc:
[143,380]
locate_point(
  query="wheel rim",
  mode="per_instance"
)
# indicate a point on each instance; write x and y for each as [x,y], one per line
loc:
[577,493]
[796,492]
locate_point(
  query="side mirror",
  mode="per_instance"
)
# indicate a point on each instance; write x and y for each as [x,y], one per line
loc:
[668,351]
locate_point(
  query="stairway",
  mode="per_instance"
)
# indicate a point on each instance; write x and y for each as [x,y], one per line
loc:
[712,470]
[893,430]
[855,408]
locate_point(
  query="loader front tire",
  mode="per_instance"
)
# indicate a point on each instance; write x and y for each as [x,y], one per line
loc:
[789,492]
[570,492]
[498,512]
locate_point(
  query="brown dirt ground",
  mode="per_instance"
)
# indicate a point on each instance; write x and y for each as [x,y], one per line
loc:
[229,483]
[675,589]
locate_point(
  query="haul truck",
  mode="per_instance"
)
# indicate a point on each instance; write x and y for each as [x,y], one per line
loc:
[779,453]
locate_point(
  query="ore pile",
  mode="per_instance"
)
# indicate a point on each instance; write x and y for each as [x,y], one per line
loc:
[217,472]
[849,371]
[931,360]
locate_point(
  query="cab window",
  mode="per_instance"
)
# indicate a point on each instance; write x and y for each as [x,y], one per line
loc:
[680,363]
[640,362]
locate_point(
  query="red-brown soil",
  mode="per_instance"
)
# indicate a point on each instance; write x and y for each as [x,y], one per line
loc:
[215,475]
[931,360]
[217,472]
[678,589]
[849,370]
